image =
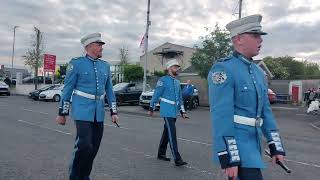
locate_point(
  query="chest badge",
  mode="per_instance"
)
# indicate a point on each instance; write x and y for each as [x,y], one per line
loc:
[219,77]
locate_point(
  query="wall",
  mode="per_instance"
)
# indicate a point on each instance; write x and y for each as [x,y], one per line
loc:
[24,89]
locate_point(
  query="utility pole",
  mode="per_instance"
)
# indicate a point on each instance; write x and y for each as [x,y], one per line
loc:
[14,38]
[38,34]
[240,8]
[146,38]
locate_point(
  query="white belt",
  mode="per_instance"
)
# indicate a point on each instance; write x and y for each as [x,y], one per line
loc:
[248,121]
[168,101]
[89,96]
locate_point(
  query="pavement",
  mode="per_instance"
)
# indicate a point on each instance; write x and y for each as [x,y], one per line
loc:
[34,147]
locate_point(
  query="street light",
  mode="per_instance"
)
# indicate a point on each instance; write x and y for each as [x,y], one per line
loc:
[14,38]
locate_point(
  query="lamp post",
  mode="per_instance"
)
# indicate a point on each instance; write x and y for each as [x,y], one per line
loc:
[14,38]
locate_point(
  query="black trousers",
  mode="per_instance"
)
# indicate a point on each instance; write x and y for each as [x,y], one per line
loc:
[249,174]
[169,136]
[89,135]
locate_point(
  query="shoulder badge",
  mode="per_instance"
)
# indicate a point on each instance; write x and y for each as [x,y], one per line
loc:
[70,67]
[159,83]
[219,77]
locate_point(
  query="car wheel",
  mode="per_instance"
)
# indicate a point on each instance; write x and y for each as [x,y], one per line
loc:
[195,103]
[56,98]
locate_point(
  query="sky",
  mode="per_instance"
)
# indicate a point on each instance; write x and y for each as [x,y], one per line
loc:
[293,25]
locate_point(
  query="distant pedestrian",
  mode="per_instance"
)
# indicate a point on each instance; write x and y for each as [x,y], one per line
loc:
[187,93]
[168,91]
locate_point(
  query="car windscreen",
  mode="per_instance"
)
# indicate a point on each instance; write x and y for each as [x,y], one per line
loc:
[119,86]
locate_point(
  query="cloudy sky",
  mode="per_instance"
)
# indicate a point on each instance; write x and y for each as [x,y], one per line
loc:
[293,25]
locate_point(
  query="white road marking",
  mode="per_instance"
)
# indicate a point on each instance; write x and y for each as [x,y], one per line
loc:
[299,162]
[37,125]
[197,142]
[110,125]
[286,108]
[150,156]
[302,115]
[314,126]
[29,110]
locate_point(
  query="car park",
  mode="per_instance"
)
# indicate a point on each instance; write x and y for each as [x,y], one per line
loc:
[35,93]
[52,95]
[127,93]
[4,89]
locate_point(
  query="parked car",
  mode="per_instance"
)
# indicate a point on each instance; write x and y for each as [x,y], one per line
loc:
[53,94]
[127,93]
[272,96]
[35,93]
[146,97]
[28,80]
[4,88]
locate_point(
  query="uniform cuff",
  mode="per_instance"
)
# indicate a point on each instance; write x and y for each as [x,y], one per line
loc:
[230,157]
[64,108]
[275,145]
[113,109]
[224,159]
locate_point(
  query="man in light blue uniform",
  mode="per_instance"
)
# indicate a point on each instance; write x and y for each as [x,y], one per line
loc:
[88,81]
[239,105]
[168,91]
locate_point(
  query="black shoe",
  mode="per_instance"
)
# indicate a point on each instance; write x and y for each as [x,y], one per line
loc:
[180,162]
[163,158]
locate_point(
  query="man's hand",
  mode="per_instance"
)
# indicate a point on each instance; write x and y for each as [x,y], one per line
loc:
[276,158]
[184,116]
[61,120]
[232,172]
[114,118]
[150,113]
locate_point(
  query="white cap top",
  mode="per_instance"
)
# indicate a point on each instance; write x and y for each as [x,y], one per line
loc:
[91,38]
[172,62]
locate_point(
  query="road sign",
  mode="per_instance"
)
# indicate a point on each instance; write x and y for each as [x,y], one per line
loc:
[49,63]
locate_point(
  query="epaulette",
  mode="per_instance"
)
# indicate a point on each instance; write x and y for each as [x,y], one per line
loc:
[76,58]
[224,59]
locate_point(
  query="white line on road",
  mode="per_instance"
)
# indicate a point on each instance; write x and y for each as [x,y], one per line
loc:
[29,110]
[314,126]
[299,162]
[116,126]
[302,115]
[286,108]
[150,156]
[37,125]
[197,142]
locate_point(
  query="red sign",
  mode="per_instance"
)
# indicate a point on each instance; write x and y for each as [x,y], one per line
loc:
[49,63]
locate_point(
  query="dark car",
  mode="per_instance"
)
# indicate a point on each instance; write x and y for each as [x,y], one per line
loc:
[29,80]
[127,93]
[35,93]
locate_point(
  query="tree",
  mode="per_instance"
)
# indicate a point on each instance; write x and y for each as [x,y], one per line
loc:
[215,45]
[124,56]
[159,73]
[276,68]
[132,72]
[34,53]
[287,68]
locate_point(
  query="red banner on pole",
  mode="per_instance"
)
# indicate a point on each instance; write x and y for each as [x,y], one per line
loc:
[49,63]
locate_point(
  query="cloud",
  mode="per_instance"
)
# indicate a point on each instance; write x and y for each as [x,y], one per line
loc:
[292,25]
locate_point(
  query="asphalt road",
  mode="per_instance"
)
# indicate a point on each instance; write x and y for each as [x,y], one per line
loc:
[34,147]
